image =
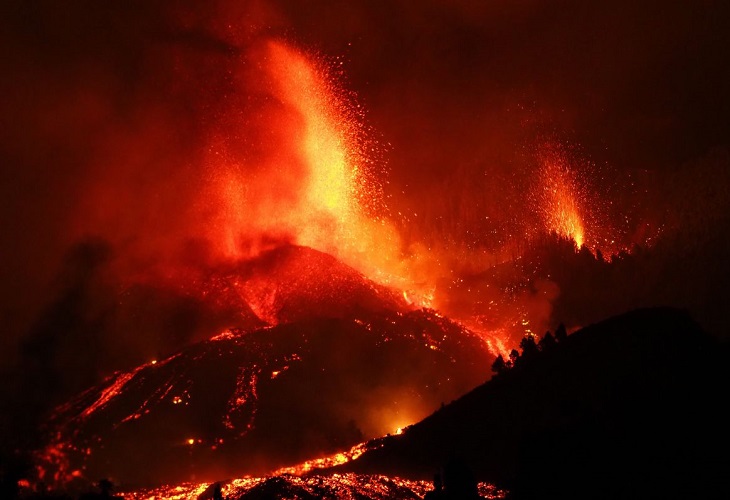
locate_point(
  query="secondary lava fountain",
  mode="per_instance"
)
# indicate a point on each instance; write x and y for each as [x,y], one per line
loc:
[560,197]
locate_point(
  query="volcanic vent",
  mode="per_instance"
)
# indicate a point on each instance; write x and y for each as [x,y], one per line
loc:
[291,283]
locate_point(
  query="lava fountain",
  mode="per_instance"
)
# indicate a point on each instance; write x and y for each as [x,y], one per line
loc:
[317,186]
[560,197]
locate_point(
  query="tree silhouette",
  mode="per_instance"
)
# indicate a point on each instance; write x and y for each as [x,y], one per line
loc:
[547,342]
[561,333]
[513,357]
[105,487]
[528,346]
[499,365]
[217,493]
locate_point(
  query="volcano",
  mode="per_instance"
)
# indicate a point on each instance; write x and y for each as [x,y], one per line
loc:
[341,360]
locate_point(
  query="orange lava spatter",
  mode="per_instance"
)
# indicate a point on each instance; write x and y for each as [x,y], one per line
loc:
[316,185]
[561,198]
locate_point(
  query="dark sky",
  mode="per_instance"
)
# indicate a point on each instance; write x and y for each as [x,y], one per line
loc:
[119,93]
[642,84]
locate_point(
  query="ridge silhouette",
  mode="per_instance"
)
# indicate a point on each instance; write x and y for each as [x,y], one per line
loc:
[631,407]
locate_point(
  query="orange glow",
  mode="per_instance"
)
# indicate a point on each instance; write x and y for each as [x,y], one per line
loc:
[348,485]
[561,196]
[317,186]
[336,190]
[299,167]
[326,462]
[117,383]
[326,142]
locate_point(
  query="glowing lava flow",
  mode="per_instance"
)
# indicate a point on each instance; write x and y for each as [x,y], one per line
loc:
[291,482]
[348,485]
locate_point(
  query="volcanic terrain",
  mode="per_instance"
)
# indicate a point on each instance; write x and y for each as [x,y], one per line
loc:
[343,360]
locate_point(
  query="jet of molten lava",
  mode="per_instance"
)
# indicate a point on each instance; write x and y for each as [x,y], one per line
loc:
[314,183]
[560,196]
[328,144]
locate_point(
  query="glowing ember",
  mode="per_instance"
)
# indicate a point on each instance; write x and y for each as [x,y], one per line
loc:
[328,142]
[241,406]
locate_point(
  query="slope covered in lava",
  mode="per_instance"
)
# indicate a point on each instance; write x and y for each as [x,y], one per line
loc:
[631,407]
[248,403]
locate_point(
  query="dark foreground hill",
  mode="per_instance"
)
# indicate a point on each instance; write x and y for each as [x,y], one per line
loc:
[632,407]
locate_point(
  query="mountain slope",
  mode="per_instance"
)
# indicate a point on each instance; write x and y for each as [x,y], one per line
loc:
[626,408]
[291,283]
[248,403]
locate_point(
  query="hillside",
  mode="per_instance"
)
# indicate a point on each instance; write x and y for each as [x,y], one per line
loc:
[248,403]
[632,407]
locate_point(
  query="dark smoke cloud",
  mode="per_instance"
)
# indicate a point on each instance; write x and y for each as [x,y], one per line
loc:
[108,108]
